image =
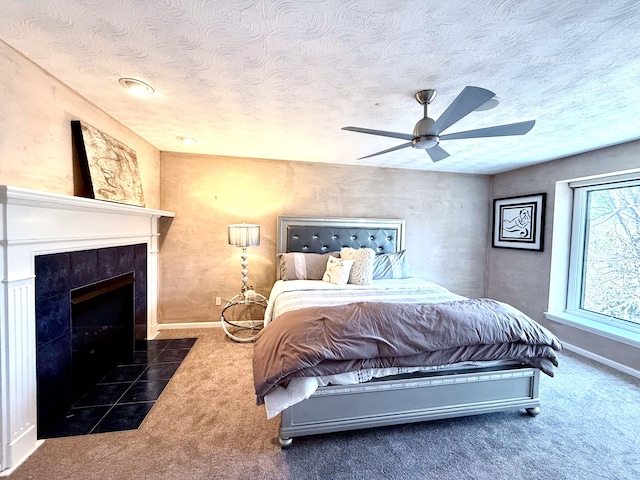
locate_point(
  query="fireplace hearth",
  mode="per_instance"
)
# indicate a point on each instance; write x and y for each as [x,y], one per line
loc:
[123,398]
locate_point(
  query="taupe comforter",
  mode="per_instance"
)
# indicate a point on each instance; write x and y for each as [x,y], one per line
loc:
[325,340]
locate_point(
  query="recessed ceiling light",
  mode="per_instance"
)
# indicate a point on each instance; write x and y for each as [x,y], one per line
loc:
[137,87]
[187,140]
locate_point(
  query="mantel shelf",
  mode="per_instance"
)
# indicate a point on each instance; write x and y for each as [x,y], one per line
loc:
[27,197]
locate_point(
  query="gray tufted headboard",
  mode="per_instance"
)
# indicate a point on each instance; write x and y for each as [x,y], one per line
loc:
[322,235]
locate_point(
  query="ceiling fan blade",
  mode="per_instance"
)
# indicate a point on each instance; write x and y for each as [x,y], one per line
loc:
[437,153]
[404,145]
[519,128]
[403,136]
[466,102]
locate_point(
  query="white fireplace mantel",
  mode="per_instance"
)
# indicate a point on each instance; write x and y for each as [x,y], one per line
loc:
[36,223]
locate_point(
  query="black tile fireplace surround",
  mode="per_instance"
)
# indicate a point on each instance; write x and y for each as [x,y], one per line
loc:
[56,276]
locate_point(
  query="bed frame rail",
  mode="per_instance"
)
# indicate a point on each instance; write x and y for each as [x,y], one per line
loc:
[408,400]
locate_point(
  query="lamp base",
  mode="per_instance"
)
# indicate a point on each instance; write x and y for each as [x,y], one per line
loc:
[243,316]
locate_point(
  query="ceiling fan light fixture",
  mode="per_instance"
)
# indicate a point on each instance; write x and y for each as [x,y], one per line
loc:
[425,142]
[137,87]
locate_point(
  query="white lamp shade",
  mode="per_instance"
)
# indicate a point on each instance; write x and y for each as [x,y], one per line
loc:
[244,235]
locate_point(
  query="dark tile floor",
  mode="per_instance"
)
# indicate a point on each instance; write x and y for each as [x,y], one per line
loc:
[122,399]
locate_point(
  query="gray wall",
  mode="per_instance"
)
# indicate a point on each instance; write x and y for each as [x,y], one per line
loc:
[523,278]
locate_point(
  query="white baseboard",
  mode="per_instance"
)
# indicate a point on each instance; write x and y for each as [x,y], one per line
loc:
[9,471]
[177,326]
[601,359]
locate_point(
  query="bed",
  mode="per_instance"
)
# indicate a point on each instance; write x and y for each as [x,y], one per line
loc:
[358,373]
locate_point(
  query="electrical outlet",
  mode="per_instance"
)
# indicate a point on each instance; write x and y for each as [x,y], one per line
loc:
[218,301]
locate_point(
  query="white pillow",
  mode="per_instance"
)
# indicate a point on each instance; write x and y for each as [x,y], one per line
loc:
[362,270]
[337,271]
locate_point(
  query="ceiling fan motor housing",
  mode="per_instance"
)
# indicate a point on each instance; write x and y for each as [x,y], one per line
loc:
[421,139]
[423,126]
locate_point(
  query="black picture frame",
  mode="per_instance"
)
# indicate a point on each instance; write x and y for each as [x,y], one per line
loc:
[518,222]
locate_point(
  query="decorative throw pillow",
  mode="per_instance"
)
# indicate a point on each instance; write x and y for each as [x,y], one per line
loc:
[362,270]
[391,265]
[337,271]
[303,266]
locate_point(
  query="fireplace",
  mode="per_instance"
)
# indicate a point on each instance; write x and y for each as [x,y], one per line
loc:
[101,330]
[38,224]
[88,305]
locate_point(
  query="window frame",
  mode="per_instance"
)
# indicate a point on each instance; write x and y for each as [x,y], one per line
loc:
[578,244]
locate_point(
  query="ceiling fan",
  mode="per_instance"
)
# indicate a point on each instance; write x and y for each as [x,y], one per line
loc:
[427,133]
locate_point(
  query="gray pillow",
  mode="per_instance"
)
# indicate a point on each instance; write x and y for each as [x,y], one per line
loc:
[303,266]
[391,265]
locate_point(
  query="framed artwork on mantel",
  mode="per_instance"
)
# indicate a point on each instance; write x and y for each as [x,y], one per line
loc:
[109,168]
[518,222]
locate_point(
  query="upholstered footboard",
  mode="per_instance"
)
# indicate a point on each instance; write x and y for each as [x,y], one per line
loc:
[411,398]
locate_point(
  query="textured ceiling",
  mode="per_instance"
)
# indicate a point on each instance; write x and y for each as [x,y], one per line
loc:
[278,79]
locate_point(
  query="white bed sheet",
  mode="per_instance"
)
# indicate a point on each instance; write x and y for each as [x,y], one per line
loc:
[296,294]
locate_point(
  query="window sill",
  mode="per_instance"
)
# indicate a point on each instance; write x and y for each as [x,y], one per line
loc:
[598,328]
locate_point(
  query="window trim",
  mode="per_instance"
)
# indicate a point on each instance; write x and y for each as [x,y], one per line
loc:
[598,328]
[610,326]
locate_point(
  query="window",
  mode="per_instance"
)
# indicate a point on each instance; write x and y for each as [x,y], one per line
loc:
[604,277]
